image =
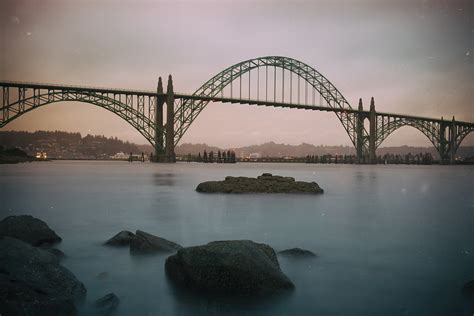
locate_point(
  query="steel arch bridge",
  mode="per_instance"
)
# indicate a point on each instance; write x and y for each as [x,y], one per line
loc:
[265,81]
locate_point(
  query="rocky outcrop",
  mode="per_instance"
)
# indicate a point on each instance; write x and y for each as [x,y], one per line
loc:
[297,253]
[32,282]
[144,243]
[235,266]
[124,238]
[266,183]
[107,304]
[29,229]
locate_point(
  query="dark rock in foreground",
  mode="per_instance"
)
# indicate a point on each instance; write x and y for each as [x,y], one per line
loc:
[235,266]
[55,251]
[468,288]
[124,238]
[266,183]
[29,229]
[108,304]
[32,282]
[297,253]
[147,243]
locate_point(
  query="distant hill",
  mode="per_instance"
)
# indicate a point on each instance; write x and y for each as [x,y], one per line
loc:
[66,145]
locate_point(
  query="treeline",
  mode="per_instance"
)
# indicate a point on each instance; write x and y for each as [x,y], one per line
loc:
[220,157]
[420,159]
[59,144]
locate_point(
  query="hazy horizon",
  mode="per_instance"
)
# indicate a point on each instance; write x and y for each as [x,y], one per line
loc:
[413,57]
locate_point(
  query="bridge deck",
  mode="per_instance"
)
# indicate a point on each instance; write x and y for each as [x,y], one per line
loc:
[150,93]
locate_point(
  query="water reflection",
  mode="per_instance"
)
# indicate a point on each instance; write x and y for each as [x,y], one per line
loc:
[164,179]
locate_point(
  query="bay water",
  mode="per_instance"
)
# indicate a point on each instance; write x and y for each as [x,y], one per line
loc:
[391,240]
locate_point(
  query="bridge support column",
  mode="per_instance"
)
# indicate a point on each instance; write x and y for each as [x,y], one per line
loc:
[160,101]
[170,155]
[360,134]
[452,142]
[372,133]
[443,152]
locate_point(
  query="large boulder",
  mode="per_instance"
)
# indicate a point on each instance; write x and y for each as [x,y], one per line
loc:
[297,253]
[235,266]
[34,283]
[124,238]
[266,183]
[29,229]
[148,243]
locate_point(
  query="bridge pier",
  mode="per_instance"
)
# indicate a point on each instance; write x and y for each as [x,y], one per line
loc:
[169,148]
[160,101]
[452,142]
[372,132]
[359,134]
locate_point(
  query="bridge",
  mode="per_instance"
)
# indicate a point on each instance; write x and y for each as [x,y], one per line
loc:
[163,117]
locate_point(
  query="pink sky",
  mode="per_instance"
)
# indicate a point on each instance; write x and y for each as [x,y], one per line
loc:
[414,57]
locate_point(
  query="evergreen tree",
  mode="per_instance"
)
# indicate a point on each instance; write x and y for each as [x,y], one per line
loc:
[204,156]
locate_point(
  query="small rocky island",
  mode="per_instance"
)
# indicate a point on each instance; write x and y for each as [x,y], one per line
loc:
[266,183]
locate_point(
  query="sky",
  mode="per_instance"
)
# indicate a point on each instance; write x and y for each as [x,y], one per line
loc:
[413,57]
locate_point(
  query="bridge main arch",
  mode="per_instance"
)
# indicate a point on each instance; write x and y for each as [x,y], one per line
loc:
[189,109]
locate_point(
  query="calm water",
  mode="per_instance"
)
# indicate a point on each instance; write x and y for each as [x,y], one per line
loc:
[392,240]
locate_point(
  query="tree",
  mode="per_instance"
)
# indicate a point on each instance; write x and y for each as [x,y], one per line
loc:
[224,157]
[204,156]
[219,156]
[199,158]
[211,157]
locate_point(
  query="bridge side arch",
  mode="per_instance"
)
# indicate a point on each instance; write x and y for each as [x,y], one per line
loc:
[188,110]
[430,129]
[24,104]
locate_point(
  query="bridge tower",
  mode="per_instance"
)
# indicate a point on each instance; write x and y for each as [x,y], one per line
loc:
[160,101]
[359,133]
[169,149]
[372,132]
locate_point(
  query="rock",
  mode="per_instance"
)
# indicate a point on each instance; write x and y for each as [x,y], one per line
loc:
[29,229]
[107,304]
[124,238]
[34,283]
[102,276]
[266,183]
[55,251]
[468,288]
[148,243]
[235,266]
[297,253]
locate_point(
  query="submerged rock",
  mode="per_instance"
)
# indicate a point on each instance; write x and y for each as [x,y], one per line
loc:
[266,183]
[102,276]
[235,266]
[148,243]
[34,283]
[297,253]
[124,238]
[107,304]
[29,229]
